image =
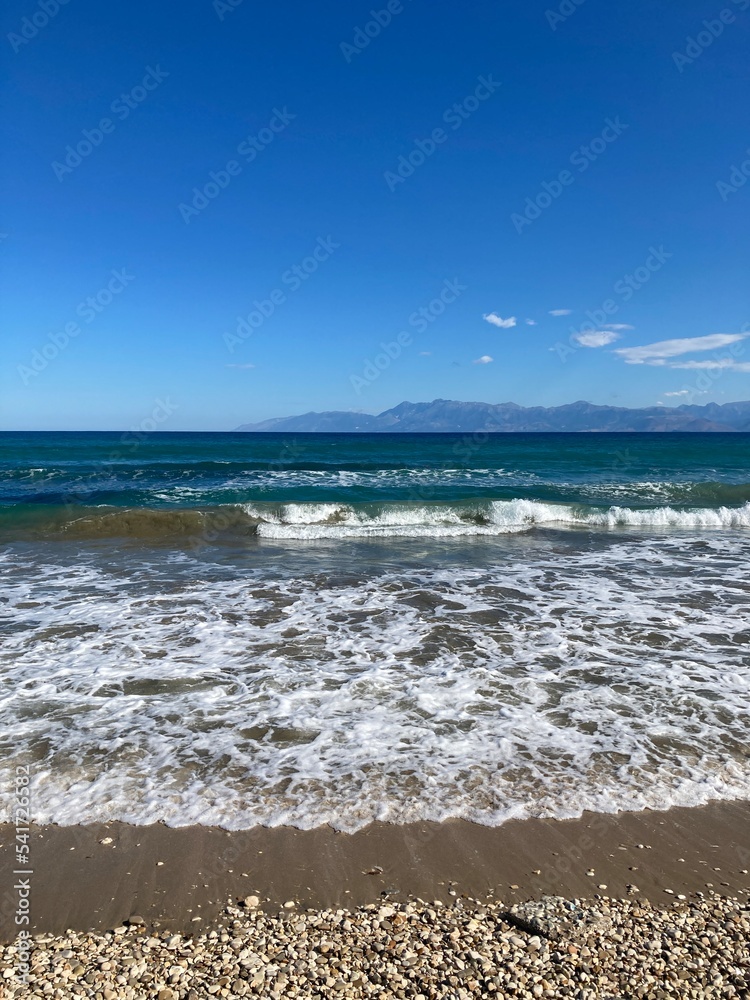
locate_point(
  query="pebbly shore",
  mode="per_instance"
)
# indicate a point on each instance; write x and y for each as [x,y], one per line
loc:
[551,947]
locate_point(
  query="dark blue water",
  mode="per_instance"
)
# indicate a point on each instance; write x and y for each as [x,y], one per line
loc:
[244,482]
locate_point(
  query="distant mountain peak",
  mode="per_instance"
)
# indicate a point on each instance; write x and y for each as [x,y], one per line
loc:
[453,416]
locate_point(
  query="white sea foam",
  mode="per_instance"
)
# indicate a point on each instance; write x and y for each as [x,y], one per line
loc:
[330,520]
[327,520]
[548,680]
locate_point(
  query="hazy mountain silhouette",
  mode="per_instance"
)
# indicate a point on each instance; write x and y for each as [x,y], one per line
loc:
[449,415]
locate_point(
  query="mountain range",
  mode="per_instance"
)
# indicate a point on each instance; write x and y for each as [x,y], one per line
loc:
[451,416]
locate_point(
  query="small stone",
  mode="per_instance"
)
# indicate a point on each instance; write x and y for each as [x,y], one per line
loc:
[557,918]
[547,947]
[290,904]
[251,902]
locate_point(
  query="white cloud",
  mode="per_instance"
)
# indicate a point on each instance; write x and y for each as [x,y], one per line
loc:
[682,392]
[597,338]
[656,354]
[530,322]
[504,324]
[617,326]
[484,360]
[240,366]
[560,312]
[425,354]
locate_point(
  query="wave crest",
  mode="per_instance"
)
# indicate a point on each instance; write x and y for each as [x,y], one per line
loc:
[328,520]
[310,521]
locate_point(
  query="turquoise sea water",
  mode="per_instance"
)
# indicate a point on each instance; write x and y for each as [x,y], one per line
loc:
[245,628]
[339,484]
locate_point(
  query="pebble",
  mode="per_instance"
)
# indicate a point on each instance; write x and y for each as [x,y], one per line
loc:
[557,918]
[548,947]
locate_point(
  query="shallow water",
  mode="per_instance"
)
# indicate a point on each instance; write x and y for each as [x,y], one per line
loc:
[327,646]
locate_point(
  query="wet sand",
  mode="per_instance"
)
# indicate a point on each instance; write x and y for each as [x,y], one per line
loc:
[96,877]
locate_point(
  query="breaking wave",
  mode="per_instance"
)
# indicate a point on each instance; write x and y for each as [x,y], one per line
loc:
[310,521]
[495,518]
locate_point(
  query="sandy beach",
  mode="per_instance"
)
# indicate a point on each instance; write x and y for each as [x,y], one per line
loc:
[637,904]
[96,877]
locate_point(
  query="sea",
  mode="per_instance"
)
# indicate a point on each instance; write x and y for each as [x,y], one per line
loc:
[238,629]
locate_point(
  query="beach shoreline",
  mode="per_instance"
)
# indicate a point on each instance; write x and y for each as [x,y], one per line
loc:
[97,877]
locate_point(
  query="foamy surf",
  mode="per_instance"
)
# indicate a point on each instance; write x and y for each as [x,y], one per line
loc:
[243,630]
[539,678]
[312,521]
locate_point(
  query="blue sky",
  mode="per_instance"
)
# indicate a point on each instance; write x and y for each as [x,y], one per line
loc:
[479,163]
